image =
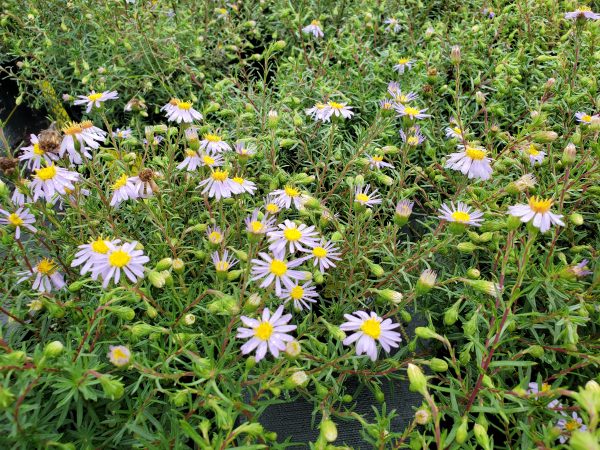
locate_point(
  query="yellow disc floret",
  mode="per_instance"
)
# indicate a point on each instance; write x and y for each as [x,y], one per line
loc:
[47,173]
[372,328]
[278,267]
[264,331]
[119,258]
[539,205]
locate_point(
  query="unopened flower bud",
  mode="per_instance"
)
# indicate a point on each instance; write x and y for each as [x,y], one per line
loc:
[418,382]
[273,118]
[296,380]
[178,265]
[438,365]
[156,279]
[481,436]
[53,349]
[422,416]
[425,333]
[329,430]
[480,98]
[293,349]
[537,351]
[576,219]
[455,54]
[389,295]
[426,282]
[164,264]
[462,431]
[6,397]
[451,314]
[549,83]
[487,287]
[467,247]
[583,440]
[544,137]
[592,386]
[189,319]
[112,388]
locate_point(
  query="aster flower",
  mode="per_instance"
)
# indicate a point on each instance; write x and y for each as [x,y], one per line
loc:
[314,28]
[368,330]
[223,263]
[287,196]
[259,227]
[537,388]
[324,254]
[144,183]
[272,205]
[535,156]
[319,112]
[386,104]
[586,118]
[89,253]
[295,237]
[537,211]
[489,12]
[20,194]
[123,189]
[244,151]
[411,112]
[364,198]
[580,270]
[403,64]
[404,210]
[180,111]
[338,110]
[462,214]
[20,218]
[219,185]
[124,133]
[119,355]
[454,131]
[211,161]
[398,96]
[241,185]
[414,136]
[582,12]
[119,258]
[47,276]
[393,25]
[215,235]
[301,295]
[34,154]
[213,144]
[377,162]
[471,161]
[94,99]
[77,138]
[52,180]
[276,269]
[191,161]
[575,423]
[267,333]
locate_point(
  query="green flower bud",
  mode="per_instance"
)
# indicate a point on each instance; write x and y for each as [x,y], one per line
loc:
[481,436]
[569,154]
[76,286]
[180,397]
[376,269]
[438,365]
[164,264]
[6,397]
[473,273]
[467,247]
[512,223]
[426,282]
[451,314]
[123,312]
[328,430]
[234,275]
[487,287]
[240,254]
[583,440]
[406,317]
[470,327]
[537,351]
[425,333]
[156,279]
[297,380]
[418,382]
[592,386]
[576,219]
[53,349]
[389,295]
[544,137]
[151,311]
[112,388]
[462,431]
[487,382]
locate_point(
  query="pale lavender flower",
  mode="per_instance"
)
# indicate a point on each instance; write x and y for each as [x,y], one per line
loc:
[462,213]
[575,423]
[244,151]
[538,211]
[47,277]
[241,185]
[52,180]
[472,161]
[314,28]
[276,269]
[89,253]
[123,258]
[377,162]
[580,270]
[17,219]
[272,205]
[94,99]
[123,189]
[535,156]
[287,196]
[301,295]
[124,133]
[214,144]
[118,355]
[324,254]
[259,227]
[319,112]
[582,12]
[191,161]
[180,111]
[295,237]
[368,329]
[34,154]
[586,118]
[403,64]
[338,110]
[404,208]
[219,185]
[363,197]
[414,136]
[225,262]
[411,112]
[215,235]
[393,24]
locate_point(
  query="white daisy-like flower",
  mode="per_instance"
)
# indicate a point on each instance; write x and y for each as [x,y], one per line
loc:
[276,269]
[338,110]
[393,25]
[462,214]
[225,262]
[413,137]
[119,258]
[124,133]
[180,111]
[34,154]
[89,253]
[119,355]
[241,185]
[377,162]
[575,423]
[257,227]
[52,180]
[20,218]
[191,161]
[454,132]
[20,194]
[295,237]
[364,198]
[404,208]
[535,156]
[214,144]
[323,254]
[211,161]
[395,91]
[215,235]
[287,196]
[47,276]
[472,161]
[219,185]
[94,99]
[319,112]
[77,138]
[410,111]
[272,204]
[314,28]
[582,12]
[267,333]
[123,189]
[386,104]
[586,118]
[368,330]
[301,295]
[243,151]
[403,64]
[537,211]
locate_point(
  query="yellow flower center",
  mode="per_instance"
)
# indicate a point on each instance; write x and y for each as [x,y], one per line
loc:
[208,160]
[545,387]
[220,175]
[475,153]
[46,267]
[572,425]
[297,292]
[363,198]
[461,216]
[94,97]
[47,173]
[15,219]
[371,328]
[292,192]
[387,105]
[256,226]
[584,8]
[121,181]
[320,105]
[586,118]
[118,354]
[263,331]
[292,234]
[37,150]
[412,140]
[212,138]
[316,22]
[86,124]
[99,246]
[456,130]
[222,266]
[539,205]
[402,98]
[119,258]
[377,158]
[319,252]
[191,153]
[336,105]
[215,237]
[184,105]
[403,60]
[238,180]
[278,267]
[72,128]
[272,208]
[532,150]
[410,111]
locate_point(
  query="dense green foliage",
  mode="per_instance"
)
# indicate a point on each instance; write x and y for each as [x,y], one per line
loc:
[511,305]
